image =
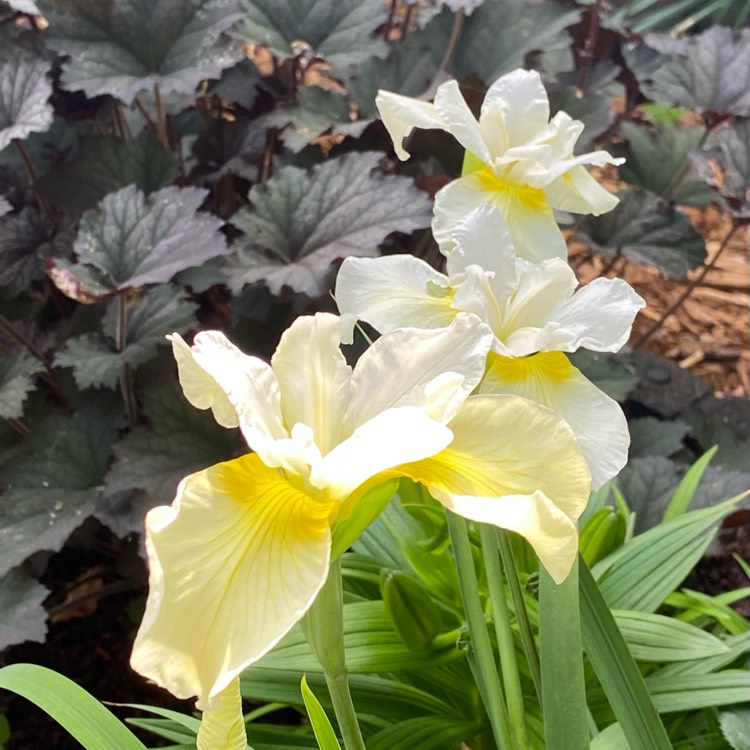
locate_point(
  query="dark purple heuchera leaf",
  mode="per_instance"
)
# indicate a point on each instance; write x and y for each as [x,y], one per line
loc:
[726,167]
[178,440]
[122,47]
[646,229]
[132,240]
[342,31]
[24,618]
[53,481]
[708,73]
[94,356]
[104,164]
[16,370]
[24,91]
[302,221]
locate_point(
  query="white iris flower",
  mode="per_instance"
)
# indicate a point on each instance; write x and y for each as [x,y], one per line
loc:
[535,315]
[517,160]
[242,552]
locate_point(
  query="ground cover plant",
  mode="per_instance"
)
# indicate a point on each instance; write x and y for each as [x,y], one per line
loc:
[225,176]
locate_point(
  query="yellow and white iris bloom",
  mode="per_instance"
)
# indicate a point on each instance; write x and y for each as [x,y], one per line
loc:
[532,308]
[242,552]
[517,160]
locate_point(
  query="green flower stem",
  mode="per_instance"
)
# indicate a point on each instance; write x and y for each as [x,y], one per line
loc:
[563,684]
[527,637]
[323,627]
[504,633]
[489,682]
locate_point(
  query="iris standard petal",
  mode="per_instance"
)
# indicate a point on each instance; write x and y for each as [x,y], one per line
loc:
[234,563]
[401,114]
[248,383]
[517,466]
[523,100]
[434,370]
[578,192]
[550,379]
[200,389]
[223,725]
[395,291]
[482,238]
[461,123]
[313,377]
[600,315]
[390,438]
[534,230]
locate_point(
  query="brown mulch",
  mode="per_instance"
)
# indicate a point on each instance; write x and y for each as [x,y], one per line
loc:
[709,334]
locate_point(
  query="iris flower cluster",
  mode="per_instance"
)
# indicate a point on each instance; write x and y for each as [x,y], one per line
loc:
[468,392]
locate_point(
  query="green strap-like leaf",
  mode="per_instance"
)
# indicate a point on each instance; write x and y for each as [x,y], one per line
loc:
[321,725]
[617,671]
[563,687]
[93,725]
[680,501]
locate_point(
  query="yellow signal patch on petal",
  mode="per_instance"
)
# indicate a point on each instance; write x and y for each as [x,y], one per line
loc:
[549,378]
[528,476]
[554,366]
[234,563]
[223,726]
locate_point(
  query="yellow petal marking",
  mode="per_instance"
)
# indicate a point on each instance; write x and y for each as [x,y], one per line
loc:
[234,564]
[554,366]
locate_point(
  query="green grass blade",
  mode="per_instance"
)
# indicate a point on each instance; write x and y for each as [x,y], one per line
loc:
[617,671]
[321,725]
[561,655]
[93,725]
[685,491]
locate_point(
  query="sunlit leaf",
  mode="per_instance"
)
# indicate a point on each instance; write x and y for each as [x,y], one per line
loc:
[710,74]
[343,31]
[132,240]
[24,91]
[53,481]
[105,164]
[94,357]
[121,48]
[16,370]
[300,222]
[24,618]
[645,229]
[668,146]
[497,36]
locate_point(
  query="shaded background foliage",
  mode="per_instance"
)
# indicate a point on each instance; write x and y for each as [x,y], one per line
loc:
[170,166]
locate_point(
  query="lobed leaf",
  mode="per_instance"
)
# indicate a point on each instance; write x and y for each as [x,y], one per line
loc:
[16,370]
[24,617]
[645,229]
[94,357]
[105,164]
[668,146]
[179,440]
[122,48]
[708,73]
[53,481]
[342,31]
[132,240]
[24,91]
[302,221]
[726,166]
